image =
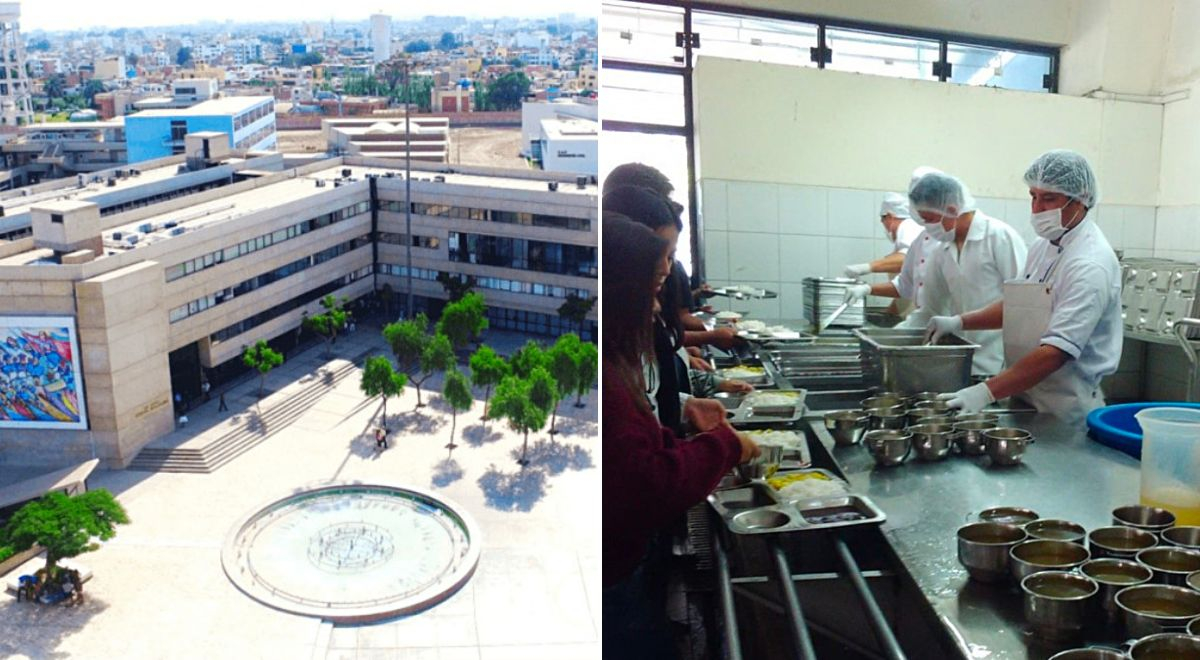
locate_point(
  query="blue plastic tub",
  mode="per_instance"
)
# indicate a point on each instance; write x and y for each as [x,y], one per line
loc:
[1116,426]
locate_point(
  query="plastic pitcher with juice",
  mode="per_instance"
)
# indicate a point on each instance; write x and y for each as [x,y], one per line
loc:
[1171,461]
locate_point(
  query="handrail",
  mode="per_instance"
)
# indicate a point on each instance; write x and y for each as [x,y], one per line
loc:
[1180,328]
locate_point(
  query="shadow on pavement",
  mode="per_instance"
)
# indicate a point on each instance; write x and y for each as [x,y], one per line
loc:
[414,422]
[446,472]
[572,426]
[479,435]
[513,491]
[35,630]
[556,457]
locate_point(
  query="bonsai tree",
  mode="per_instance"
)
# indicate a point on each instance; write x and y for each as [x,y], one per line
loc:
[330,322]
[457,393]
[487,369]
[463,320]
[263,359]
[380,379]
[513,403]
[527,358]
[564,368]
[64,525]
[575,310]
[588,368]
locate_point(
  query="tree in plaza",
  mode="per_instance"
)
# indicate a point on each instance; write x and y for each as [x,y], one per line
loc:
[506,92]
[330,322]
[514,403]
[457,393]
[589,359]
[487,369]
[380,379]
[65,525]
[262,358]
[408,340]
[464,320]
[564,367]
[456,286]
[527,358]
[437,356]
[575,310]
[543,391]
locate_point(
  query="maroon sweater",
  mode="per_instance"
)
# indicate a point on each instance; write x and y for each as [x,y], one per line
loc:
[650,477]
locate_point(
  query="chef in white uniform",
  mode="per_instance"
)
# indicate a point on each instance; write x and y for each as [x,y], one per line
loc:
[901,230]
[1061,319]
[973,256]
[908,284]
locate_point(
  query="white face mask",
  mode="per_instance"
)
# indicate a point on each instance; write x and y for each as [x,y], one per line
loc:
[939,232]
[1048,224]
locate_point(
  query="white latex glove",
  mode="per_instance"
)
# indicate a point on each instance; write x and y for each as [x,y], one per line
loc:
[856,292]
[857,270]
[940,326]
[969,399]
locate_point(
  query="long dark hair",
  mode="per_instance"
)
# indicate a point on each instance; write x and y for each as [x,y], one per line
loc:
[630,255]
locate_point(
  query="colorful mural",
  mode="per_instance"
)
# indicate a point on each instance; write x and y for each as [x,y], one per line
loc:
[39,373]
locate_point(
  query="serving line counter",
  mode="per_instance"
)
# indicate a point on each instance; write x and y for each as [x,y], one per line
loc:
[918,600]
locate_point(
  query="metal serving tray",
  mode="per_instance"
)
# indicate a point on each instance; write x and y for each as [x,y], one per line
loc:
[761,380]
[898,361]
[750,415]
[758,509]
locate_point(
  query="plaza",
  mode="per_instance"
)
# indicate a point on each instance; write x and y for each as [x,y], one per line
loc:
[159,589]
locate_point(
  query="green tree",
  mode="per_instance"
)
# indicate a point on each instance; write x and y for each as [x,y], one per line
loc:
[464,320]
[418,46]
[66,525]
[417,92]
[447,42]
[437,356]
[487,370]
[564,367]
[506,92]
[309,59]
[543,391]
[330,322]
[55,85]
[91,89]
[408,340]
[589,358]
[132,59]
[457,393]
[380,379]
[184,56]
[514,404]
[516,63]
[262,358]
[456,285]
[575,310]
[527,358]
[480,102]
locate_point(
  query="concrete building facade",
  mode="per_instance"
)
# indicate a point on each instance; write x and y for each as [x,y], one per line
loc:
[249,121]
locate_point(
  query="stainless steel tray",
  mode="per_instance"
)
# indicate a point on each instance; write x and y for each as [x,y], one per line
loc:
[898,361]
[761,380]
[748,414]
[758,509]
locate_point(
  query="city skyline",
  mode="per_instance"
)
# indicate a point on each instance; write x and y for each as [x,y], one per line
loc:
[76,15]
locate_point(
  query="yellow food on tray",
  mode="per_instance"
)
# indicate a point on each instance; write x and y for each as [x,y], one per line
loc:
[779,482]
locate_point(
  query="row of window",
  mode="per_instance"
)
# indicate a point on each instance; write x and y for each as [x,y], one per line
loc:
[255,137]
[282,308]
[429,242]
[162,197]
[252,115]
[493,283]
[489,215]
[264,241]
[533,322]
[523,254]
[246,286]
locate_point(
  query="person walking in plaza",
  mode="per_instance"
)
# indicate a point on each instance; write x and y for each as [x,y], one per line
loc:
[221,407]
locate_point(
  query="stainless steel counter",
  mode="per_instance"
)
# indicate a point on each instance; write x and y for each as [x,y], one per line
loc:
[1064,475]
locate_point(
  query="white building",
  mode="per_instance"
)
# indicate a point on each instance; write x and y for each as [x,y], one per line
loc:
[381,37]
[110,67]
[568,145]
[532,114]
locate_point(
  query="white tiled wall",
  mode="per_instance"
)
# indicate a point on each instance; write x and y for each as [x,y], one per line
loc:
[775,235]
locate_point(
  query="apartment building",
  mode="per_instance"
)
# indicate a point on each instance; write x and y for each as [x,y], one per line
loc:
[125,309]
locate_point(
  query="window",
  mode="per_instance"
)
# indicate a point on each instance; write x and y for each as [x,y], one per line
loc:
[756,39]
[995,67]
[643,33]
[655,98]
[881,54]
[178,130]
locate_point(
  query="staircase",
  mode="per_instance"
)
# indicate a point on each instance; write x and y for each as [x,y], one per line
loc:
[237,442]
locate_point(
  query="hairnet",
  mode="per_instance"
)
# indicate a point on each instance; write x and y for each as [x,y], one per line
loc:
[894,204]
[920,171]
[1064,171]
[942,194]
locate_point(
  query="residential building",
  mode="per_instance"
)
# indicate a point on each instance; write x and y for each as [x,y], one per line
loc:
[110,67]
[381,37]
[452,98]
[16,99]
[249,121]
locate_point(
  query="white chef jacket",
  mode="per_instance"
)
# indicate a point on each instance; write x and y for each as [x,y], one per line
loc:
[1085,299]
[956,283]
[910,283]
[906,233]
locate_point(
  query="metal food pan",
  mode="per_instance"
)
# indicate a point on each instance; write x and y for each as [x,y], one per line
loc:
[758,509]
[750,415]
[898,361]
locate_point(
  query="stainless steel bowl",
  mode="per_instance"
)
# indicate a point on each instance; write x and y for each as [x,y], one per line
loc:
[1170,565]
[926,416]
[1056,530]
[1149,518]
[941,407]
[887,418]
[1193,580]
[932,442]
[1093,653]
[1010,515]
[969,436]
[980,417]
[923,396]
[883,402]
[983,549]
[1056,603]
[888,446]
[846,426]
[1119,542]
[1149,609]
[1039,555]
[1172,646]
[1006,446]
[1114,575]
[1185,537]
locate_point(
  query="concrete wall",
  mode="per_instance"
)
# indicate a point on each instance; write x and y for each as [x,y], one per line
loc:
[148,137]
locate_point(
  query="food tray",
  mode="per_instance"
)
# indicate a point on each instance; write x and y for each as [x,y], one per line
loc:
[759,380]
[750,414]
[899,361]
[758,509]
[795,457]
[743,292]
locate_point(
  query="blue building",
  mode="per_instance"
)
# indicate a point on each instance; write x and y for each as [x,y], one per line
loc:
[248,120]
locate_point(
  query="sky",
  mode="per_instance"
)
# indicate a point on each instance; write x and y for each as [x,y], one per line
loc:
[55,15]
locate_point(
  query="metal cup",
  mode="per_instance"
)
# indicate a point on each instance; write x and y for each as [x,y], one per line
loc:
[1039,555]
[884,402]
[969,436]
[1006,446]
[1093,653]
[888,418]
[1170,565]
[983,549]
[1149,609]
[1056,530]
[1119,542]
[1149,518]
[1011,515]
[1056,603]
[932,442]
[1184,537]
[1113,575]
[1176,646]
[846,426]
[888,447]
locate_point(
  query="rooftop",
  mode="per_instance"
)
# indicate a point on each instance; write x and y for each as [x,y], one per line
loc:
[228,105]
[570,129]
